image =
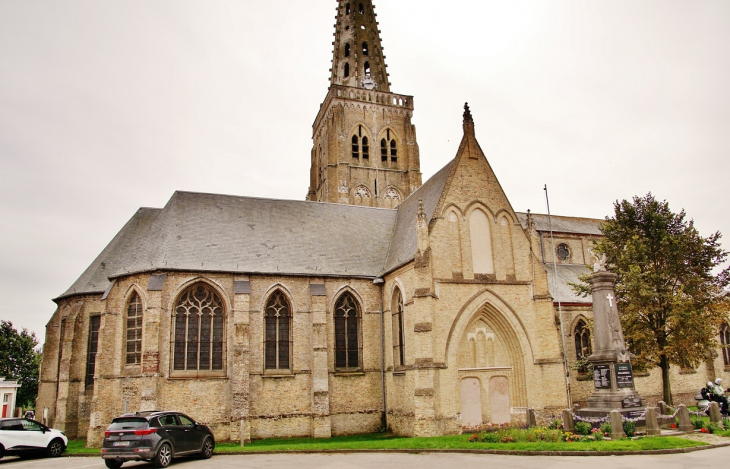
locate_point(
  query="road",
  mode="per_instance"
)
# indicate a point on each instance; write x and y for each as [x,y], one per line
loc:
[716,457]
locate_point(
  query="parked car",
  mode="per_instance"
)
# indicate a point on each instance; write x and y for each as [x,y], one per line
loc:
[156,436]
[27,437]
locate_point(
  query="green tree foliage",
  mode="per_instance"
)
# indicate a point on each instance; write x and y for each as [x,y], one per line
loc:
[670,295]
[20,361]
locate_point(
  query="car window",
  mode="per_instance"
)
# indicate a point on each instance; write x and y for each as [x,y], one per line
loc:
[30,425]
[168,420]
[128,423]
[11,425]
[185,421]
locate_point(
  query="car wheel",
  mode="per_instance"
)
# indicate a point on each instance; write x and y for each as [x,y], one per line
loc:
[113,463]
[55,448]
[207,450]
[163,456]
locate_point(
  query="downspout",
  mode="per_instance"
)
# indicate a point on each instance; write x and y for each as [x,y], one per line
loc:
[384,417]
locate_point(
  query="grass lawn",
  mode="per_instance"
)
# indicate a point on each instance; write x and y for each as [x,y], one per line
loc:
[385,441]
[390,442]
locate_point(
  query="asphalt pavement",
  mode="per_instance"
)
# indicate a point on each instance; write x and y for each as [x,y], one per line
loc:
[715,457]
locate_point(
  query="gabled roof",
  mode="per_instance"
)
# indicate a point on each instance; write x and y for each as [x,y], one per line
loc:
[560,290]
[560,224]
[133,239]
[403,245]
[221,233]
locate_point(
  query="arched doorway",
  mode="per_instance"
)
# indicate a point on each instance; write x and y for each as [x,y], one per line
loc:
[488,345]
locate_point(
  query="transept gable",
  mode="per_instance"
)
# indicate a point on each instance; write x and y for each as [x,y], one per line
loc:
[472,182]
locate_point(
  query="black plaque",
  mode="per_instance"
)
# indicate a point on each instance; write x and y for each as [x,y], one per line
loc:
[602,376]
[624,377]
[631,401]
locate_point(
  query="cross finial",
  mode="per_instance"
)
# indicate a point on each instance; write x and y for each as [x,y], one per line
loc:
[468,121]
[467,113]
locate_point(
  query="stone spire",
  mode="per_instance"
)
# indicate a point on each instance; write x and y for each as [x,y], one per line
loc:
[358,59]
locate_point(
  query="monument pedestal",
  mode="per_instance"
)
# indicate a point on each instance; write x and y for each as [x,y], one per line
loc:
[613,380]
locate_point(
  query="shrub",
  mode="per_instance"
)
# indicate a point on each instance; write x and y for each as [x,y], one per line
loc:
[582,428]
[726,424]
[556,425]
[512,435]
[697,422]
[606,428]
[491,437]
[629,428]
[597,434]
[712,427]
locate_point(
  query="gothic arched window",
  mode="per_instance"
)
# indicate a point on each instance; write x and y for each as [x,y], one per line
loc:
[278,332]
[399,358]
[347,332]
[367,68]
[134,330]
[393,152]
[725,342]
[361,9]
[582,336]
[347,9]
[347,70]
[365,148]
[383,150]
[347,50]
[199,337]
[364,48]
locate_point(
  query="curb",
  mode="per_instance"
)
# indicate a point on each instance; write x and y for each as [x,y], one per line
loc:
[467,451]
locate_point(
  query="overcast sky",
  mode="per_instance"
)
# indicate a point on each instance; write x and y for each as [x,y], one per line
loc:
[107,106]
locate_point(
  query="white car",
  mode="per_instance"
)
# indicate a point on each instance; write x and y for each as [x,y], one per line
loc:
[26,436]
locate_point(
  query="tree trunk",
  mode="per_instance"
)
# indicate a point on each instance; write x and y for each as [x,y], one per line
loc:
[666,385]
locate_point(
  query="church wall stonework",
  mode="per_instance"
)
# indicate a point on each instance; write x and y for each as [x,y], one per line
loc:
[481,310]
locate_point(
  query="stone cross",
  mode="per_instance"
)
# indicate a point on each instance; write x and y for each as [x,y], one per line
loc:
[609,297]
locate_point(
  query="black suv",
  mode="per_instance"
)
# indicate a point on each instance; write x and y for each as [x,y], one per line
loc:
[156,436]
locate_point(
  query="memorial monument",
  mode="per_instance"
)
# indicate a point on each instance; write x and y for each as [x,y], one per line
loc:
[613,379]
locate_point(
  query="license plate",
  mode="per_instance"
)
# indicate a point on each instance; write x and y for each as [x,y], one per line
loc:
[121,443]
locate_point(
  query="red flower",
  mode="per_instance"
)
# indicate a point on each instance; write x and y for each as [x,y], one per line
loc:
[674,425]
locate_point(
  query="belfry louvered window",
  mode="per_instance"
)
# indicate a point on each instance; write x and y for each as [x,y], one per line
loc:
[347,332]
[355,147]
[134,330]
[199,337]
[278,332]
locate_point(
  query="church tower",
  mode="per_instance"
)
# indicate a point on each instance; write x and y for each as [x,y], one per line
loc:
[365,150]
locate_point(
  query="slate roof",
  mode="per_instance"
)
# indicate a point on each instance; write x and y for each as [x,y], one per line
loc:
[560,290]
[127,244]
[404,243]
[562,224]
[209,232]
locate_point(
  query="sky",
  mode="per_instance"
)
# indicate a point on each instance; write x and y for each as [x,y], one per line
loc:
[108,106]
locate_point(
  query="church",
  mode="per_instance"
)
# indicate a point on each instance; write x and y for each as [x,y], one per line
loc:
[380,302]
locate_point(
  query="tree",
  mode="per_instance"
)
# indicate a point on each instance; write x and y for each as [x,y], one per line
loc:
[20,361]
[670,302]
